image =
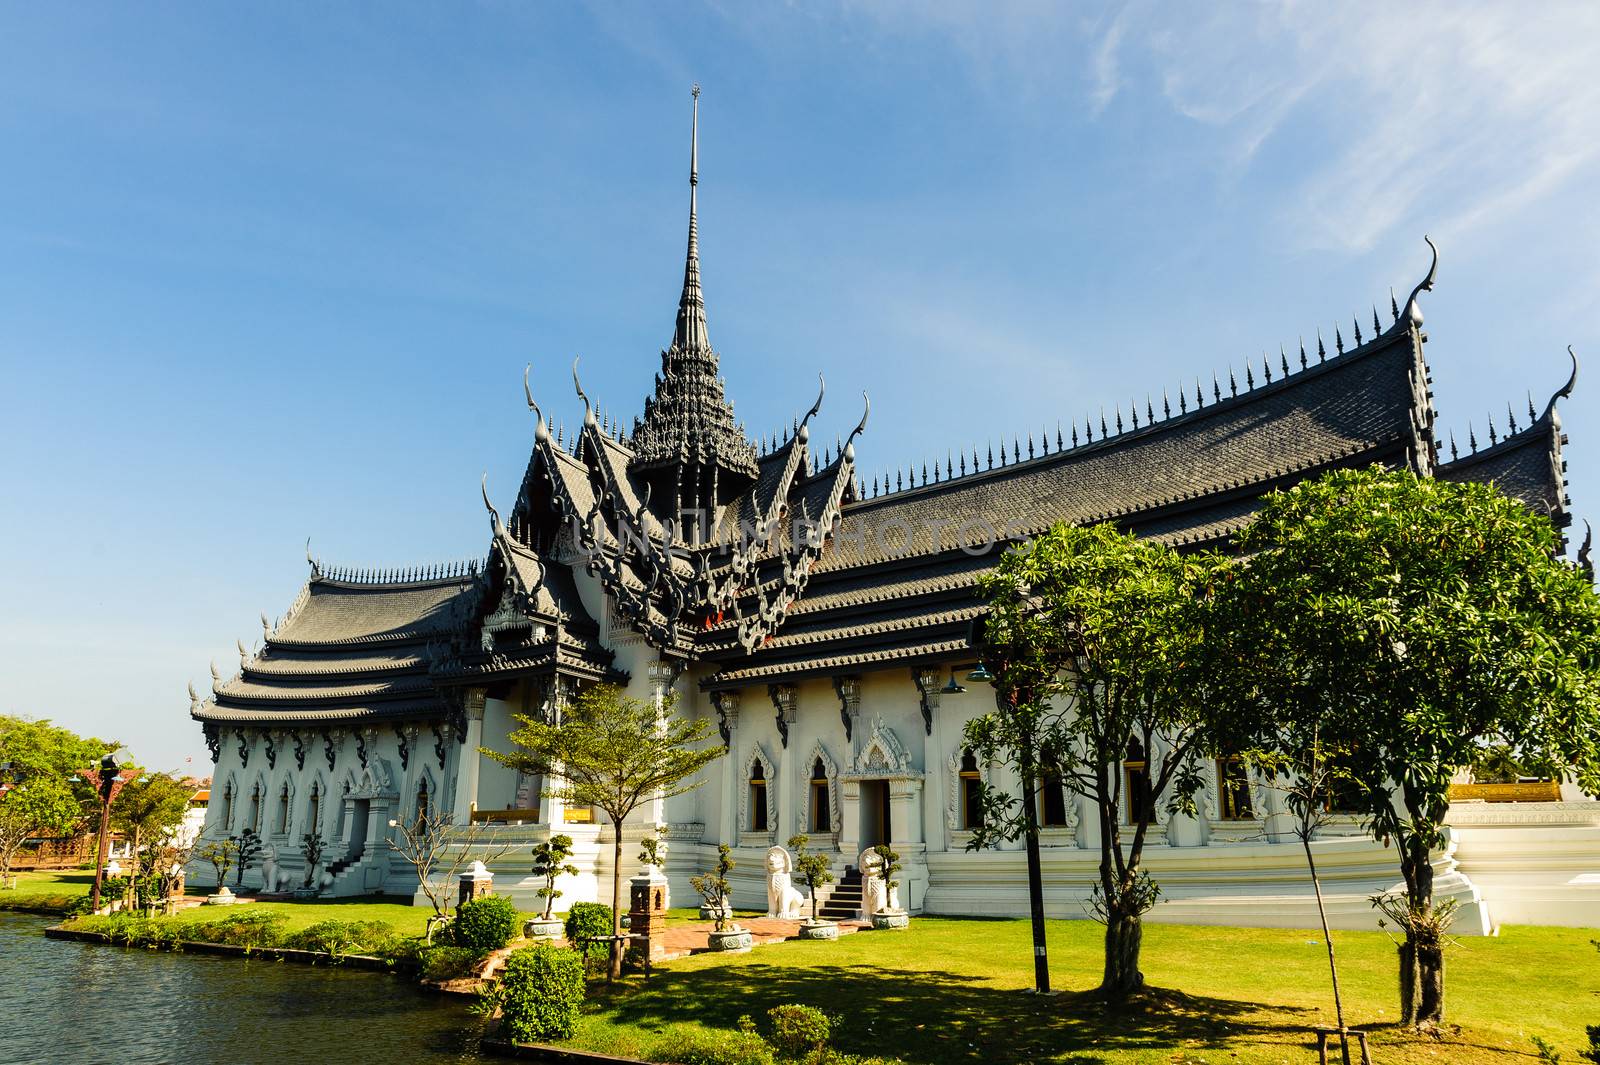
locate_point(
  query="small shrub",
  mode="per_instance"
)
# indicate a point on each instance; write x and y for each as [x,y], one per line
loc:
[798,1030]
[342,937]
[256,929]
[484,924]
[450,963]
[708,1047]
[1593,1053]
[589,919]
[538,994]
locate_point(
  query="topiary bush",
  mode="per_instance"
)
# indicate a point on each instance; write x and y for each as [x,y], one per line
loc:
[484,924]
[798,1030]
[589,919]
[538,993]
[692,1046]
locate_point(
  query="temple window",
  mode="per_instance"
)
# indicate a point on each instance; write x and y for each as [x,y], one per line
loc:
[758,798]
[283,809]
[1233,786]
[422,805]
[314,811]
[227,807]
[254,824]
[1052,799]
[971,791]
[821,819]
[1140,803]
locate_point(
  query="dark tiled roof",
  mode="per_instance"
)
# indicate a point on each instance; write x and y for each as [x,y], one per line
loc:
[349,650]
[1356,407]
[1527,465]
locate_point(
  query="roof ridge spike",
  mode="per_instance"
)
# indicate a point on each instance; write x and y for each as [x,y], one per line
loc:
[1493,437]
[1377,327]
[1531,415]
[1283,360]
[1302,352]
[1394,308]
[1166,405]
[1266,367]
[1511,416]
[1322,351]
[1338,340]
[1149,411]
[1183,402]
[1357,323]
[1249,377]
[1059,442]
[1453,453]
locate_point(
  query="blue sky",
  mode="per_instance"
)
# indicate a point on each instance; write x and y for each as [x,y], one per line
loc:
[273,271]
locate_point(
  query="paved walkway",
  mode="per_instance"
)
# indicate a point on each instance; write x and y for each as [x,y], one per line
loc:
[681,940]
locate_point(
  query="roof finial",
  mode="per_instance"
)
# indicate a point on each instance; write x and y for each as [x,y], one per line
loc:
[1413,313]
[1565,391]
[494,515]
[691,332]
[1585,563]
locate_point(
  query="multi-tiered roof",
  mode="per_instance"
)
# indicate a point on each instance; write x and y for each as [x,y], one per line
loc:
[774,563]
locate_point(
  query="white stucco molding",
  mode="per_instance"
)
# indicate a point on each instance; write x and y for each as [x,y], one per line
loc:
[882,757]
[769,773]
[830,769]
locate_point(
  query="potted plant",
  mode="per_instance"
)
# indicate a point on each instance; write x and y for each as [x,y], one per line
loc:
[891,916]
[550,860]
[713,887]
[813,869]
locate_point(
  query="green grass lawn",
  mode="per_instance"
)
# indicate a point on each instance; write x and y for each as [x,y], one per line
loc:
[952,990]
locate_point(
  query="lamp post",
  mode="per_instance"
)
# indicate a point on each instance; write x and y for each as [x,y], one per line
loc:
[107,781]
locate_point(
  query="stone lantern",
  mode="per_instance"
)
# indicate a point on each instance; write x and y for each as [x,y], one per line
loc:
[647,910]
[476,882]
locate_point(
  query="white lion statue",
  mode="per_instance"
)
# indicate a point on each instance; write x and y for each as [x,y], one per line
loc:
[273,879]
[782,898]
[875,894]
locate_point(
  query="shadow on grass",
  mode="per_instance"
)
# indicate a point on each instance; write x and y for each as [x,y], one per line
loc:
[924,1016]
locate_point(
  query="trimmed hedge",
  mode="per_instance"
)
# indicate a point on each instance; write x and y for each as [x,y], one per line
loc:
[589,919]
[450,963]
[538,993]
[485,924]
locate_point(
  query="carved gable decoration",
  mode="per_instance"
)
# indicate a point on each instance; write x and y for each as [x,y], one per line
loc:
[882,755]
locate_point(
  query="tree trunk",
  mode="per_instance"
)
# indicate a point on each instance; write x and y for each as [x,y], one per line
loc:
[615,970]
[1333,966]
[1422,956]
[1041,955]
[1408,979]
[1124,934]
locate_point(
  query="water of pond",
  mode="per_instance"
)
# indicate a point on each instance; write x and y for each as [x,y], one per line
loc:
[62,1001]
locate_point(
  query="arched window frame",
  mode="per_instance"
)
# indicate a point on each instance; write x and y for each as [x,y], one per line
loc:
[826,786]
[769,778]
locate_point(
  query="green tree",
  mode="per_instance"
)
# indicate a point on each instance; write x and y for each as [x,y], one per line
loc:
[40,792]
[1426,619]
[148,809]
[813,868]
[551,858]
[1093,640]
[614,753]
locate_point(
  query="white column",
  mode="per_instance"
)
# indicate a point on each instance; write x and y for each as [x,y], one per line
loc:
[467,776]
[784,700]
[935,765]
[729,710]
[663,675]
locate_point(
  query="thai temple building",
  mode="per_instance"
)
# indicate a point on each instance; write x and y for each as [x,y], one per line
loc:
[819,613]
